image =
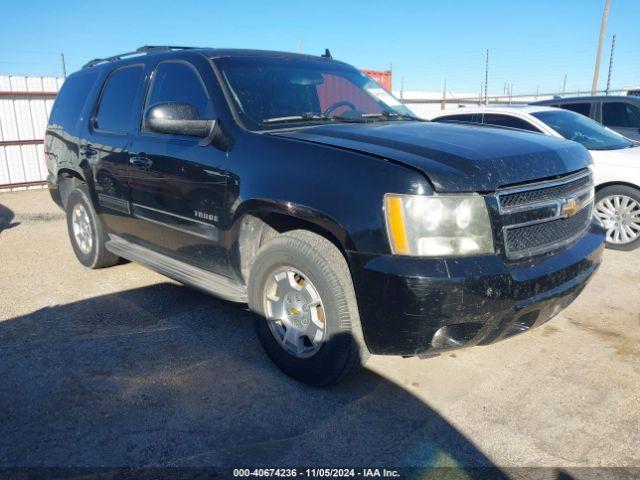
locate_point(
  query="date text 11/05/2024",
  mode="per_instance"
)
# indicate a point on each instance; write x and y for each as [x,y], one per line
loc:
[317,472]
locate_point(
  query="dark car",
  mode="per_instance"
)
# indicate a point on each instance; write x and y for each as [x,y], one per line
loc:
[619,113]
[298,185]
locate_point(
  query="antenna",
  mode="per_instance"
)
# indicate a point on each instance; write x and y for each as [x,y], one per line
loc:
[326,54]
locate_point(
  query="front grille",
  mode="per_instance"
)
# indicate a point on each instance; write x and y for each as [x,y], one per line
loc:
[543,194]
[543,236]
[542,217]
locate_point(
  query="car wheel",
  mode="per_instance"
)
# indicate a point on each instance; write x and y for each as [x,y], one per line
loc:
[307,320]
[618,208]
[86,231]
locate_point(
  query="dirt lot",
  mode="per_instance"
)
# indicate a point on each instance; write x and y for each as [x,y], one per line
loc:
[123,367]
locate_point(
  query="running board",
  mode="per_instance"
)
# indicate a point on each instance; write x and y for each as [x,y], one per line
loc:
[209,282]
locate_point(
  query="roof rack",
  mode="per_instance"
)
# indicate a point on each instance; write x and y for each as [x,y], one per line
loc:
[146,49]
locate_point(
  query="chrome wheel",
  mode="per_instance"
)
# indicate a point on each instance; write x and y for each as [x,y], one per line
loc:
[294,312]
[620,215]
[82,231]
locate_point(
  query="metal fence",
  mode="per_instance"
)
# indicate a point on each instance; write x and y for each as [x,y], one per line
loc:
[428,105]
[25,104]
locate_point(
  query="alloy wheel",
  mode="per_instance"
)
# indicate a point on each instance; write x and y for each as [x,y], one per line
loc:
[620,215]
[82,231]
[294,312]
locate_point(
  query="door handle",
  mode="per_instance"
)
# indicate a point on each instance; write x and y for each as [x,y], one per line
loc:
[88,151]
[139,161]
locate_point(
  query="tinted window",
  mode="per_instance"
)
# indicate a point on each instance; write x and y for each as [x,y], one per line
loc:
[633,115]
[582,130]
[581,108]
[69,102]
[179,82]
[467,117]
[620,114]
[508,121]
[117,101]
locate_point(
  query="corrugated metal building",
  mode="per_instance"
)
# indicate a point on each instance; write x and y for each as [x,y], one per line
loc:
[25,104]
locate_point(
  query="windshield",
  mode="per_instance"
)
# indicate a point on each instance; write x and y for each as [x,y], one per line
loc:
[279,92]
[581,129]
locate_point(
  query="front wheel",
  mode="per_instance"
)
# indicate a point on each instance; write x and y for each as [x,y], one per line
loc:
[618,208]
[307,318]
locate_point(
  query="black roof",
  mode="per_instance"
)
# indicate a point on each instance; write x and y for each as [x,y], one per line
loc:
[209,52]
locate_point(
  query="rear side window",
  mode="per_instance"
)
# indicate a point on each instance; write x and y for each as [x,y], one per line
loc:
[469,117]
[508,121]
[581,108]
[117,100]
[180,82]
[69,102]
[620,114]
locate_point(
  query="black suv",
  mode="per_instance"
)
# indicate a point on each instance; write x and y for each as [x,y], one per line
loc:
[297,185]
[619,113]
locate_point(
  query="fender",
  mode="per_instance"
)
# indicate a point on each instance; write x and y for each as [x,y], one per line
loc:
[260,207]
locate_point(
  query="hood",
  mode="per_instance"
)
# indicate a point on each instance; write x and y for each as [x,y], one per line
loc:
[624,157]
[456,158]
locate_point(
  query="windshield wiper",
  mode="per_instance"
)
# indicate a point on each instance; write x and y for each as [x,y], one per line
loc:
[386,114]
[296,118]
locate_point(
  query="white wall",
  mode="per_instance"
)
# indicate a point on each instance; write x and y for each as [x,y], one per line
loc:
[24,118]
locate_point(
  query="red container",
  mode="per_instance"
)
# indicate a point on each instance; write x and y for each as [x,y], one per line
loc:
[383,77]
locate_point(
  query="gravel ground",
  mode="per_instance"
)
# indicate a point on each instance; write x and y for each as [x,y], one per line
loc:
[124,367]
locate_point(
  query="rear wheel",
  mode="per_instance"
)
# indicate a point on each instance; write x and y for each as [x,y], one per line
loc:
[618,208]
[307,318]
[86,231]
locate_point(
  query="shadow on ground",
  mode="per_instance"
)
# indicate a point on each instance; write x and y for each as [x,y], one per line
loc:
[165,376]
[6,218]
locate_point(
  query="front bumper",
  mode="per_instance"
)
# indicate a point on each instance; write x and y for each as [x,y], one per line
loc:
[411,306]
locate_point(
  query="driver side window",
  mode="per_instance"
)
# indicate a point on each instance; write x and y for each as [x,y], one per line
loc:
[180,82]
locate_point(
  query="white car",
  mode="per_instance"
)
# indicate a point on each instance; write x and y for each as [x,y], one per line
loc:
[616,159]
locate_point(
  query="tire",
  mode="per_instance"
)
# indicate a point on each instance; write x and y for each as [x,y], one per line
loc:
[605,214]
[92,254]
[341,350]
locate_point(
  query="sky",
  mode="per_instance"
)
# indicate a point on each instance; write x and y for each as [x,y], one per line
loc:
[532,44]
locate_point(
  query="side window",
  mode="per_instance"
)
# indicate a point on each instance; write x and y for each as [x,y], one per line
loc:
[581,108]
[633,115]
[69,102]
[508,121]
[468,117]
[614,114]
[180,82]
[117,100]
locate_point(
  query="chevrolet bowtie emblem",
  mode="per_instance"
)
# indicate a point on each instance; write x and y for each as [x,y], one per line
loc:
[570,207]
[295,311]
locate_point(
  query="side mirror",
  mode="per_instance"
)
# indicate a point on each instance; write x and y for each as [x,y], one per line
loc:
[177,119]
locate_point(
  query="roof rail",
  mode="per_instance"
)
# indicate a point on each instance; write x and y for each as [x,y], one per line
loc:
[140,51]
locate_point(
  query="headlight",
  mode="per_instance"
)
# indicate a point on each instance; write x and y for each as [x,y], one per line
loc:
[447,225]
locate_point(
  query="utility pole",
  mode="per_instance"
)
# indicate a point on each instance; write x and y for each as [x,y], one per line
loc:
[444,95]
[564,84]
[64,67]
[537,91]
[401,88]
[613,48]
[486,79]
[603,28]
[301,46]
